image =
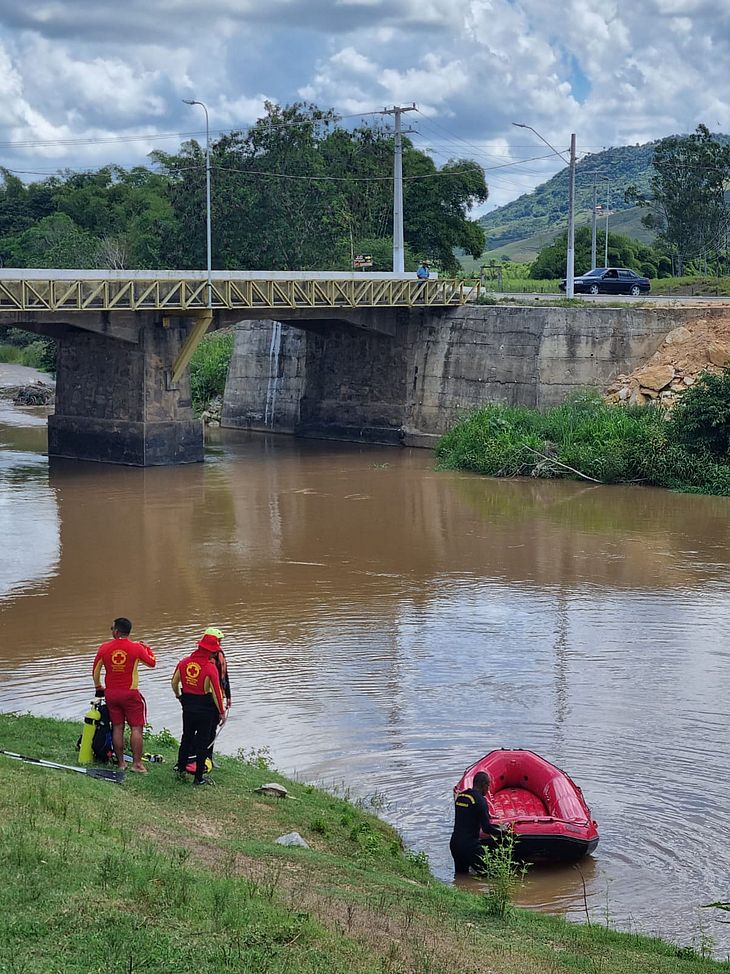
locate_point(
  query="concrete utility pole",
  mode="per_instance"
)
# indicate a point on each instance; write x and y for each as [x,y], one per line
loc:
[207,198]
[605,246]
[398,246]
[593,227]
[570,261]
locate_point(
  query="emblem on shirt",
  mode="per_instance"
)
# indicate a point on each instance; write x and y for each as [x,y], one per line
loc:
[119,658]
[192,671]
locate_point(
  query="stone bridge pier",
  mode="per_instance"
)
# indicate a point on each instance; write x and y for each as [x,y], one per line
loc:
[116,401]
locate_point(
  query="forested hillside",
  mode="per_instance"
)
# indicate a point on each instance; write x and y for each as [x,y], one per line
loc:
[546,208]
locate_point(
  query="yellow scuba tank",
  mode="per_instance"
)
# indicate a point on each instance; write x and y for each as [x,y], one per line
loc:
[91,722]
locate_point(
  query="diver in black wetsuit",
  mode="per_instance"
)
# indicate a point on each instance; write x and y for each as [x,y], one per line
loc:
[471,816]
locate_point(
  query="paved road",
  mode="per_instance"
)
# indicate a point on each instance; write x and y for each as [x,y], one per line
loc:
[658,300]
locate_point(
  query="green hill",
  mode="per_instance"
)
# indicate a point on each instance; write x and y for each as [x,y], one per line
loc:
[521,227]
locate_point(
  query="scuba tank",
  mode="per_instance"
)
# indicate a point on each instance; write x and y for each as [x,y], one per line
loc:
[91,722]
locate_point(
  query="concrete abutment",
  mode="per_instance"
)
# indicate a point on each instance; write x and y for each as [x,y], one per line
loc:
[415,377]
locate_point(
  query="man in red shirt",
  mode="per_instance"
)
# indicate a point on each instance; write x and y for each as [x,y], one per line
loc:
[120,658]
[196,683]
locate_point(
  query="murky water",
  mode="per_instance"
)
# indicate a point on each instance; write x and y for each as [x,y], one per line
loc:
[387,624]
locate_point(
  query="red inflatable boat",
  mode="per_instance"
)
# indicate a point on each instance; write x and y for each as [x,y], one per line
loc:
[543,807]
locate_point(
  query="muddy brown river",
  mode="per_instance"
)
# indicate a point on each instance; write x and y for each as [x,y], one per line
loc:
[387,624]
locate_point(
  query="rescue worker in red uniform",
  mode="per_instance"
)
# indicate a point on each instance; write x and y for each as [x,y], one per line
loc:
[196,683]
[219,658]
[119,658]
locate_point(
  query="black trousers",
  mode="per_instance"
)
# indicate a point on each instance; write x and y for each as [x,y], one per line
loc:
[467,854]
[200,719]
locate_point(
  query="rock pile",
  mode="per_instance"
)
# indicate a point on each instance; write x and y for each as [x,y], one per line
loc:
[211,415]
[686,352]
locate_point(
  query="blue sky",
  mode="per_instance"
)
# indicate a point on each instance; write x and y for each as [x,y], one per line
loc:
[86,82]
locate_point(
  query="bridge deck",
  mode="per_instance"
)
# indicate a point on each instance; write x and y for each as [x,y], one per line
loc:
[39,290]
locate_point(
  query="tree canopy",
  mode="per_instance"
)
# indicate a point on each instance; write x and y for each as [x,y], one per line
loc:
[687,194]
[295,192]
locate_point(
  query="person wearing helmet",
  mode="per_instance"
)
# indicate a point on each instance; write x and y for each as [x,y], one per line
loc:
[219,658]
[196,683]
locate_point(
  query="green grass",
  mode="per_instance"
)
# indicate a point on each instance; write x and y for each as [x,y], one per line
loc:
[583,436]
[154,876]
[39,354]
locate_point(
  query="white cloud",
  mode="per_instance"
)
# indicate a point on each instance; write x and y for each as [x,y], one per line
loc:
[612,72]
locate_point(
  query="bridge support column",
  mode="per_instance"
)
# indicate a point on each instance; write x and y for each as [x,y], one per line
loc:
[115,399]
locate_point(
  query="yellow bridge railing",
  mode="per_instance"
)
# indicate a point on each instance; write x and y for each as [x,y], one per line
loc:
[178,293]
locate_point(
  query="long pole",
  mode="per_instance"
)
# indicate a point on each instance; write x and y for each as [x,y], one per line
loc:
[570,257]
[398,243]
[570,263]
[593,227]
[605,245]
[208,221]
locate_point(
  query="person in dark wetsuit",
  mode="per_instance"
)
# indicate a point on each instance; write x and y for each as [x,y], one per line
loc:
[471,817]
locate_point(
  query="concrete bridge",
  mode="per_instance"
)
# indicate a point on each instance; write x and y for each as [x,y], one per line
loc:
[125,340]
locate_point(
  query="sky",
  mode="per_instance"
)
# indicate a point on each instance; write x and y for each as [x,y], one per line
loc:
[89,82]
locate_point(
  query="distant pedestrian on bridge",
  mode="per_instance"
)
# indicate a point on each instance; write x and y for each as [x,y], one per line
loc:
[423,273]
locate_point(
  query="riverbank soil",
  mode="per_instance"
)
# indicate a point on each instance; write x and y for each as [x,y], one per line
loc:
[687,351]
[156,876]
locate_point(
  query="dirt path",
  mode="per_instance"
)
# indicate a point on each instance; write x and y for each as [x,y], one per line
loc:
[20,375]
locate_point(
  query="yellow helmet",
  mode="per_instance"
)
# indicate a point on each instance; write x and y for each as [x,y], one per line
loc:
[212,631]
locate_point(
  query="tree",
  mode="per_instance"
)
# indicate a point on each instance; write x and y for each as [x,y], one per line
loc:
[622,252]
[297,192]
[687,195]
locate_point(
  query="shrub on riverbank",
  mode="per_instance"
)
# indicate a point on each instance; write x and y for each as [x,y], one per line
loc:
[20,347]
[155,876]
[209,368]
[585,437]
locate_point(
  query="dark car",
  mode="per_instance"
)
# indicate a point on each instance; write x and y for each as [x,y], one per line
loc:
[610,280]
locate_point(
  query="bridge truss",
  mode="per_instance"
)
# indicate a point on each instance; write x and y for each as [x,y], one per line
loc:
[186,294]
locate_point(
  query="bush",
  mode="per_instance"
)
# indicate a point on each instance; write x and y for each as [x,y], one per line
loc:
[209,368]
[586,436]
[701,418]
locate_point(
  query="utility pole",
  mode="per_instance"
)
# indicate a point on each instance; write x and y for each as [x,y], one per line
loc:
[398,245]
[608,201]
[208,246]
[570,264]
[593,227]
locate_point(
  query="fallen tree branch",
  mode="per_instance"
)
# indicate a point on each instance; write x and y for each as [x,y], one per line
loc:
[565,465]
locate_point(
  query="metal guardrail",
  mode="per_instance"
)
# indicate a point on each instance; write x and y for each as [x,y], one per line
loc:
[186,294]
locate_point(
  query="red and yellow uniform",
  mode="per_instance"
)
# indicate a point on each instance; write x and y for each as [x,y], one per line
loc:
[119,658]
[197,675]
[196,683]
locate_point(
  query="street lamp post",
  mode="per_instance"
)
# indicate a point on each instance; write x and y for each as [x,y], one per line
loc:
[570,259]
[190,101]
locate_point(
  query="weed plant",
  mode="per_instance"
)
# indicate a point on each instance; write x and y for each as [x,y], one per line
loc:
[503,874]
[587,437]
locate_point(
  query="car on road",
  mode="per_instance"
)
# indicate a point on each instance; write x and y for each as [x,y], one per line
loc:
[610,280]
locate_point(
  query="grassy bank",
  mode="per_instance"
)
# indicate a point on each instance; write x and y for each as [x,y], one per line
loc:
[588,438]
[155,876]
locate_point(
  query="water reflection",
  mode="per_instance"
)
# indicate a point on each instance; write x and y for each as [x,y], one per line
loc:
[387,624]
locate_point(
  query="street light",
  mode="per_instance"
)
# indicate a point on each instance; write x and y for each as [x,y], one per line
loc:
[190,101]
[570,262]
